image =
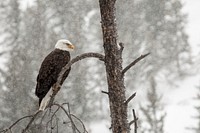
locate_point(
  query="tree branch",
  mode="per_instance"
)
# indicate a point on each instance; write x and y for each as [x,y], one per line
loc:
[10,127]
[134,121]
[121,47]
[130,98]
[57,85]
[70,116]
[85,131]
[133,63]
[78,58]
[105,92]
[16,122]
[74,127]
[31,121]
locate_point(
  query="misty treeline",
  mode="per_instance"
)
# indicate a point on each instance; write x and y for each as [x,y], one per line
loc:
[29,34]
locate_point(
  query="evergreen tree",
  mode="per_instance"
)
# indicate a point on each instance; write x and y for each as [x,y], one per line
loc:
[153,112]
[11,41]
[196,129]
[158,27]
[25,57]
[165,38]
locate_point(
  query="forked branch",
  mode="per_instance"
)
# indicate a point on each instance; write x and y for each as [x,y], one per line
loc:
[134,122]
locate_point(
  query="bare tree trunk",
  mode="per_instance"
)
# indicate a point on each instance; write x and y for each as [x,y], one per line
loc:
[113,63]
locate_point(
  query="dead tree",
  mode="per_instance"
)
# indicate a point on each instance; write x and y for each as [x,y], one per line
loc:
[113,64]
[114,69]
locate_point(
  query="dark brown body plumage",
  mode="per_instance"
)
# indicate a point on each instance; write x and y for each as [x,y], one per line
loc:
[49,71]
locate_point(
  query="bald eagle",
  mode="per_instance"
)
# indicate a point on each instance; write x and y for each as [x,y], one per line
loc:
[50,69]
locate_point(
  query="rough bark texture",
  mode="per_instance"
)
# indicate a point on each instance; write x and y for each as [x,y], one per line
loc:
[113,63]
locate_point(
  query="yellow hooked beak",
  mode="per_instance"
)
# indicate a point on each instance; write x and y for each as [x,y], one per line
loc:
[71,46]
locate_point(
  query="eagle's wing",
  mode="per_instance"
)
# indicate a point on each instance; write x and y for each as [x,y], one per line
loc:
[49,71]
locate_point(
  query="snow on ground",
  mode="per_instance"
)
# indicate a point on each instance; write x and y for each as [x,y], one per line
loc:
[180,108]
[99,127]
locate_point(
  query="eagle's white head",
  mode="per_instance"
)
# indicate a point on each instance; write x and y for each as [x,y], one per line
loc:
[65,45]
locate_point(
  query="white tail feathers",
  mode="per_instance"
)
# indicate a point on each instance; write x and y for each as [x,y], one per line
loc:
[45,101]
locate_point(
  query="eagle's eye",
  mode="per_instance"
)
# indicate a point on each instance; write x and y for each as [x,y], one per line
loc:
[70,45]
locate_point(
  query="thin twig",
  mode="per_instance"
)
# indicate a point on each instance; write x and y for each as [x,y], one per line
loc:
[73,125]
[68,115]
[130,98]
[105,92]
[43,117]
[133,63]
[16,122]
[52,117]
[121,47]
[31,121]
[80,122]
[134,121]
[55,113]
[57,124]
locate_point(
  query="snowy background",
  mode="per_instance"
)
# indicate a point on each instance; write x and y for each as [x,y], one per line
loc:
[181,103]
[178,102]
